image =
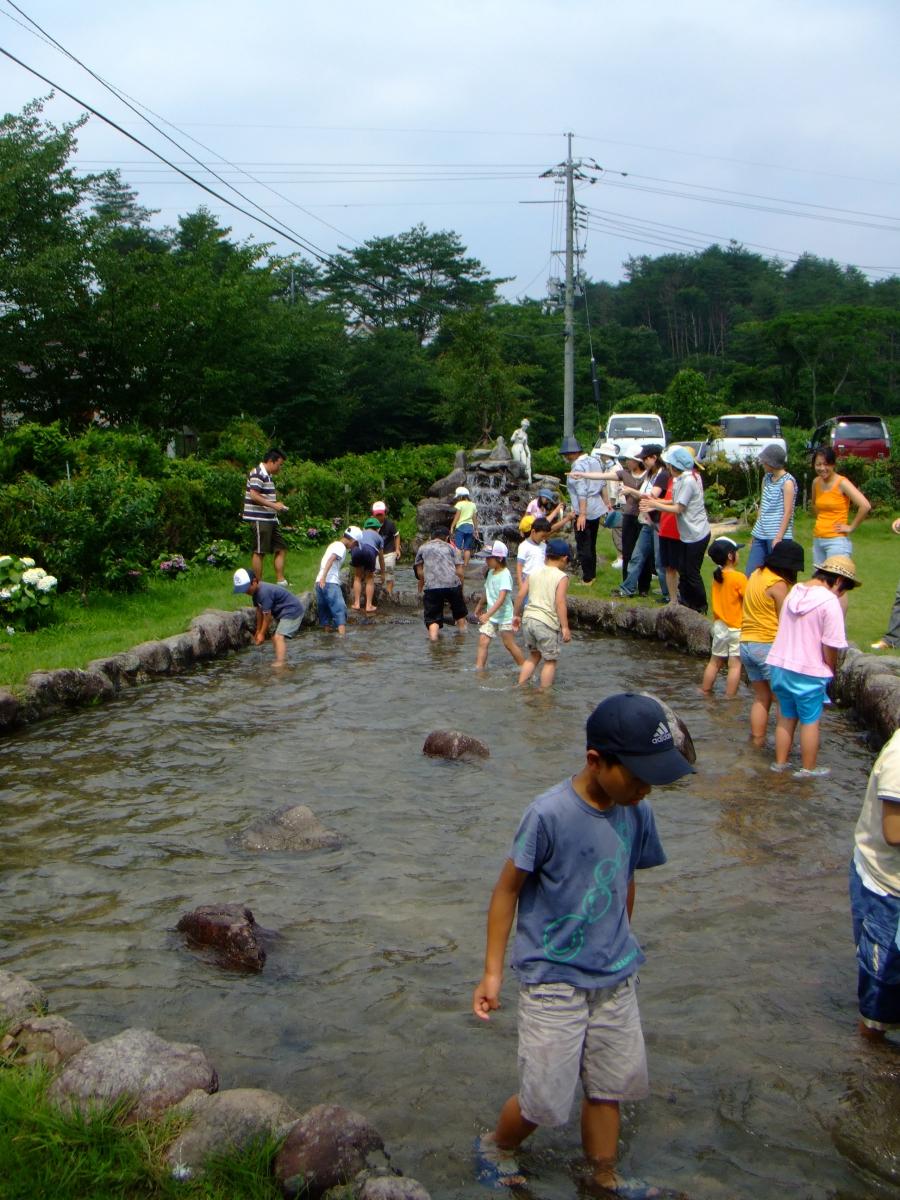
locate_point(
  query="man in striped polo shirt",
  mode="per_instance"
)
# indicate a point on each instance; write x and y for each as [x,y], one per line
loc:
[260,510]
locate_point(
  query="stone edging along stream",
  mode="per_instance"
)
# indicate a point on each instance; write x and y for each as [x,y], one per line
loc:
[867,683]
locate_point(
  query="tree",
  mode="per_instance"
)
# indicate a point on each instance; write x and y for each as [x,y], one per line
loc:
[689,408]
[45,273]
[409,281]
[484,394]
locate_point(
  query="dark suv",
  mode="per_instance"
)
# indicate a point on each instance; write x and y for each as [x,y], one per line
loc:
[866,437]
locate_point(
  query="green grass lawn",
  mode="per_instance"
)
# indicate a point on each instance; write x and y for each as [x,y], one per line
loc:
[876,552]
[112,622]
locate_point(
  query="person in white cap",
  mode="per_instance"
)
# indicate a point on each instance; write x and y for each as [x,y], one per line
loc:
[391,537]
[497,618]
[273,602]
[331,607]
[464,526]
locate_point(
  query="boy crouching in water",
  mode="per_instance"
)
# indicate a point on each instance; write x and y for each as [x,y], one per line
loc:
[570,877]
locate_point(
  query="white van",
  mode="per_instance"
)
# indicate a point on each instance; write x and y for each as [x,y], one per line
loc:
[743,435]
[631,431]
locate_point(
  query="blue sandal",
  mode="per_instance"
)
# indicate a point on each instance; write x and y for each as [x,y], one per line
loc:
[495,1168]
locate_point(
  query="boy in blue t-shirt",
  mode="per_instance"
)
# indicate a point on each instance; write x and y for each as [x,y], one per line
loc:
[570,875]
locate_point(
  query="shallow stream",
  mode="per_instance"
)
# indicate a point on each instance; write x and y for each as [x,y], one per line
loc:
[116,821]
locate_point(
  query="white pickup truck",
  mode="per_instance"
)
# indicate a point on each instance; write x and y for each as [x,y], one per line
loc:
[743,435]
[631,431]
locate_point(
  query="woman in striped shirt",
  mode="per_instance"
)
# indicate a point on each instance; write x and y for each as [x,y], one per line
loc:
[776,509]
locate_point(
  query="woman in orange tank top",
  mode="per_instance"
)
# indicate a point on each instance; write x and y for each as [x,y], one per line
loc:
[832,497]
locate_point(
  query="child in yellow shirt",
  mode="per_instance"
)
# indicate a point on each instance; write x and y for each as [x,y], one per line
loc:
[728,589]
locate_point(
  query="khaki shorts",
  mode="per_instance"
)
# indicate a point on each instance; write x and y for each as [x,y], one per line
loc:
[490,630]
[726,641]
[568,1033]
[265,537]
[390,561]
[542,638]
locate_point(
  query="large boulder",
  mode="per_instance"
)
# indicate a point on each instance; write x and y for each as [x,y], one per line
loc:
[48,1041]
[229,931]
[155,658]
[19,998]
[224,1123]
[121,670]
[682,627]
[136,1068]
[9,710]
[328,1146]
[432,513]
[47,689]
[294,828]
[448,485]
[450,743]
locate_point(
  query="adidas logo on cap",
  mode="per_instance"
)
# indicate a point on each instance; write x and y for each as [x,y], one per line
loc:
[663,734]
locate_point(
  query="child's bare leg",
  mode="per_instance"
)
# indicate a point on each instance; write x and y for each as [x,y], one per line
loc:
[512,1128]
[733,679]
[709,675]
[759,712]
[357,587]
[433,631]
[484,644]
[280,644]
[509,641]
[370,593]
[528,666]
[784,737]
[600,1138]
[809,745]
[548,673]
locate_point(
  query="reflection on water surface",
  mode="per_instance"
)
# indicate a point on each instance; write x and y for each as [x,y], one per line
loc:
[116,821]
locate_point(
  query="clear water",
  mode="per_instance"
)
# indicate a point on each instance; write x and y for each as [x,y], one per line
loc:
[116,821]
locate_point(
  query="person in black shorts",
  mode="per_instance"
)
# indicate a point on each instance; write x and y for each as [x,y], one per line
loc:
[439,570]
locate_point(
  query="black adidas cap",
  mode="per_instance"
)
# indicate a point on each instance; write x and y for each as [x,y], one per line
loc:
[634,728]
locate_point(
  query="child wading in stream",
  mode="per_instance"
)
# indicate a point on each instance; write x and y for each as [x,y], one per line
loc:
[569,880]
[498,616]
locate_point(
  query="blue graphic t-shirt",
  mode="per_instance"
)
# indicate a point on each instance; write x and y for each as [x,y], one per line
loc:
[572,921]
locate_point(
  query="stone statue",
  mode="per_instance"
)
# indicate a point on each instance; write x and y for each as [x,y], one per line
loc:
[521,451]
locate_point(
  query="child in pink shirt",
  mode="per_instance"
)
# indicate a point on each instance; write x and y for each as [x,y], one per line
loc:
[803,657]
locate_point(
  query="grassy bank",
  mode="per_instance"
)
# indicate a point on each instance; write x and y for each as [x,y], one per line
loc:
[47,1152]
[876,552]
[112,622]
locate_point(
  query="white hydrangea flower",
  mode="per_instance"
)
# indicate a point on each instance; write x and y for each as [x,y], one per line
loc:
[5,594]
[5,560]
[46,583]
[27,562]
[10,630]
[33,575]
[13,591]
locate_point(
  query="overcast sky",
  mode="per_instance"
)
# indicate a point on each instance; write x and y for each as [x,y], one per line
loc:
[458,107]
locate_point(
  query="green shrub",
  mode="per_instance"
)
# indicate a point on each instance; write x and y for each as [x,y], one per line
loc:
[130,451]
[221,553]
[241,443]
[40,450]
[79,524]
[549,461]
[201,501]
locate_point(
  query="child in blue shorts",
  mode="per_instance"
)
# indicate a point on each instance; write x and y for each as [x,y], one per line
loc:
[464,526]
[803,657]
[570,879]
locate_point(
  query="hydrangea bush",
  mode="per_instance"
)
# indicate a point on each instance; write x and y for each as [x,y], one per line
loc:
[26,592]
[172,565]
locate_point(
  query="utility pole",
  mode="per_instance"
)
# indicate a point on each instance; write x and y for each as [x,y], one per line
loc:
[568,172]
[569,304]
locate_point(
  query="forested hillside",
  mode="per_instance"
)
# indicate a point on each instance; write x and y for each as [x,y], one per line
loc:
[104,315]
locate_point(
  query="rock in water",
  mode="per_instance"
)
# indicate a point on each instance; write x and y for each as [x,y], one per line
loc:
[450,743]
[391,1187]
[136,1067]
[867,1132]
[328,1146]
[293,828]
[230,931]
